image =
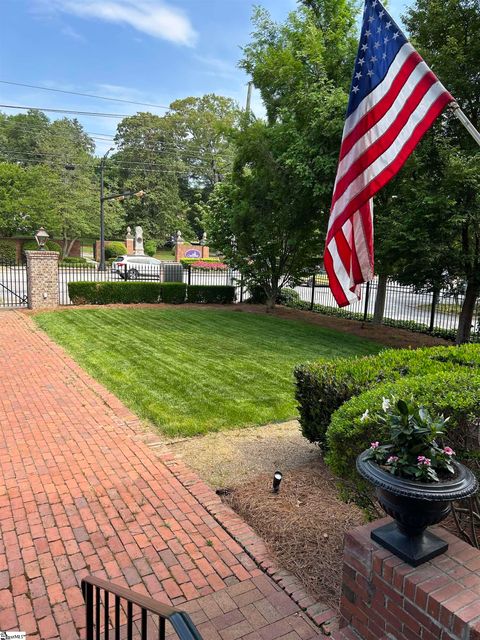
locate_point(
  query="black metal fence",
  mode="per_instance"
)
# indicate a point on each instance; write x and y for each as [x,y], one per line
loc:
[433,312]
[144,272]
[13,284]
[438,311]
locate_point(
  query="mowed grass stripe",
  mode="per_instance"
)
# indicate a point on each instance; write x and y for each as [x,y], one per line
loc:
[194,371]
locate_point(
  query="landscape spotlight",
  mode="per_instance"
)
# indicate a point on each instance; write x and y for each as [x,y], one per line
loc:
[41,237]
[277,478]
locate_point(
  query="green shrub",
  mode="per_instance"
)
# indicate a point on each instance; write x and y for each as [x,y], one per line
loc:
[211,294]
[323,386]
[114,249]
[455,394]
[257,295]
[75,260]
[50,245]
[186,261]
[173,292]
[114,292]
[8,251]
[408,325]
[150,247]
[288,297]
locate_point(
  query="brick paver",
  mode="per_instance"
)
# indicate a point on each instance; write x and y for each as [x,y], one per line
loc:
[81,493]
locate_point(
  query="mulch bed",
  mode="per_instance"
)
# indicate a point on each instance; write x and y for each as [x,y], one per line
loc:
[303,525]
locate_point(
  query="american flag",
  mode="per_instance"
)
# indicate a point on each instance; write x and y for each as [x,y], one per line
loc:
[394,100]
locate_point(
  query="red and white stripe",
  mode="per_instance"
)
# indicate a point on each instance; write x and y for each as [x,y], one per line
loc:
[378,138]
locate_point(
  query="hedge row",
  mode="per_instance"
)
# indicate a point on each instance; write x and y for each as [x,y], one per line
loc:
[409,325]
[323,386]
[187,261]
[455,394]
[210,294]
[147,292]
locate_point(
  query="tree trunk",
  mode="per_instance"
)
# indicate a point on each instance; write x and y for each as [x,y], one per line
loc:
[466,316]
[380,299]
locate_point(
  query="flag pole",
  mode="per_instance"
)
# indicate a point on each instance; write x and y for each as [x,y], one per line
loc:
[466,122]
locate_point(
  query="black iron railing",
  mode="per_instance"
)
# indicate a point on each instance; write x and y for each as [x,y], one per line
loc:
[114,612]
[13,284]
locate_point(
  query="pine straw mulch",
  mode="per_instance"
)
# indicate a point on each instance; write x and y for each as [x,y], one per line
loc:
[303,525]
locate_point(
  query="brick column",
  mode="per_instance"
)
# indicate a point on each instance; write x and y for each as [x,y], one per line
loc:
[42,271]
[383,598]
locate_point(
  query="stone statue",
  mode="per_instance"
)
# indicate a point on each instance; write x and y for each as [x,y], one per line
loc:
[139,251]
[179,237]
[203,241]
[129,233]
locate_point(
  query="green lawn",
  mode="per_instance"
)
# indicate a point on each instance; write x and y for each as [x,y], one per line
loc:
[192,371]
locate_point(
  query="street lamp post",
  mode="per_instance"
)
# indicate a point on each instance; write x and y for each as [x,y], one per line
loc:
[101,266]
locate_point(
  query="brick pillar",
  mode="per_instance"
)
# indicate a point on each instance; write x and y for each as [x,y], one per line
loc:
[205,252]
[42,270]
[383,598]
[130,246]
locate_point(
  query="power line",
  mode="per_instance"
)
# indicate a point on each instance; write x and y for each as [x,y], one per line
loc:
[86,95]
[70,111]
[167,144]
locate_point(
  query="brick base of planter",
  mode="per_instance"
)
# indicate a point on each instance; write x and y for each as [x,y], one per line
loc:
[383,598]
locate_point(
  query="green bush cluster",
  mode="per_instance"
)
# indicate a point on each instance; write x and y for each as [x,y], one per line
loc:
[8,251]
[147,292]
[455,394]
[150,247]
[186,261]
[334,395]
[50,245]
[114,249]
[210,294]
[288,297]
[325,385]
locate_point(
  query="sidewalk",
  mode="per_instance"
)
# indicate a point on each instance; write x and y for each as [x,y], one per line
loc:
[81,493]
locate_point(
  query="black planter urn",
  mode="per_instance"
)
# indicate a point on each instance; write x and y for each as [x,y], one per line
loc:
[414,506]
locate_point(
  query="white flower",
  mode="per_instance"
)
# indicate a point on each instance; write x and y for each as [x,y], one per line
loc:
[386,404]
[365,416]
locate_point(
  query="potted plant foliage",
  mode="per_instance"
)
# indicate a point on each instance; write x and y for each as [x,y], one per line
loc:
[416,478]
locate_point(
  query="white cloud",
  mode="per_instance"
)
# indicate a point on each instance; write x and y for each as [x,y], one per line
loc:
[71,33]
[153,17]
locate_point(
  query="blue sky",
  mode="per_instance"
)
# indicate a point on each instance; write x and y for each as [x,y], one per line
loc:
[152,51]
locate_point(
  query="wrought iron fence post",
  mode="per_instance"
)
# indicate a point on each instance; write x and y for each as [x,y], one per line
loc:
[367,299]
[312,301]
[241,288]
[435,296]
[189,275]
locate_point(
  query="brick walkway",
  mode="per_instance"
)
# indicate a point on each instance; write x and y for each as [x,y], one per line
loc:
[81,493]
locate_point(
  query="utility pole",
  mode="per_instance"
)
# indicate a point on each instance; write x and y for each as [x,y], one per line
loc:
[101,266]
[249,97]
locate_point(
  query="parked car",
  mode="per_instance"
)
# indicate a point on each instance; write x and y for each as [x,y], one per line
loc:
[136,267]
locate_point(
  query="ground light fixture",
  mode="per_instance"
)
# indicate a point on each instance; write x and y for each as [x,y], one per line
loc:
[277,479]
[41,237]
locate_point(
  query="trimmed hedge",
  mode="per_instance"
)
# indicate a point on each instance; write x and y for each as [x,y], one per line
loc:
[186,261]
[114,249]
[208,294]
[323,386]
[173,292]
[126,292]
[453,393]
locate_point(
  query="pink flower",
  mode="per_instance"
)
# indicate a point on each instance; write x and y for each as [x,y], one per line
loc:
[422,460]
[448,451]
[392,459]
[374,445]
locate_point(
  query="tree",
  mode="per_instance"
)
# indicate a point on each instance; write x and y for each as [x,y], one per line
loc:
[269,218]
[263,219]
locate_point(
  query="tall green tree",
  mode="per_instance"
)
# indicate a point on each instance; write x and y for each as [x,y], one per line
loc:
[262,219]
